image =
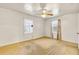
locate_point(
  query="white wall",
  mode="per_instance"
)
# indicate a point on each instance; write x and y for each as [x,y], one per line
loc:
[78,30]
[69,27]
[11,27]
[38,28]
[48,28]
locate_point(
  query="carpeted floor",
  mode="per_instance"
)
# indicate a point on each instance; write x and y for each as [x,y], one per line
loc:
[43,46]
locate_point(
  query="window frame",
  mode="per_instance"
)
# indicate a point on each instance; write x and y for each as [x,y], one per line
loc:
[29,24]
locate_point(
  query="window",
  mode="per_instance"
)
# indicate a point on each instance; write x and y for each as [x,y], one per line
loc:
[28,26]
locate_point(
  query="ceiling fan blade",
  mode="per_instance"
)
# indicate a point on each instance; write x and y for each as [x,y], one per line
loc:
[50,14]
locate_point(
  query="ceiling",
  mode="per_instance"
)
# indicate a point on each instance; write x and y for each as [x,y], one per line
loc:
[64,8]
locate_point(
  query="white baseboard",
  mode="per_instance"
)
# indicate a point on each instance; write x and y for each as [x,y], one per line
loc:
[1,45]
[21,40]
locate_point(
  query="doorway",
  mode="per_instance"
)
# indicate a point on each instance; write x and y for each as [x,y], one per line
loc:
[54,29]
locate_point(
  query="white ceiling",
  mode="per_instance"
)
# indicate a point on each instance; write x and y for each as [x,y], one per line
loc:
[64,7]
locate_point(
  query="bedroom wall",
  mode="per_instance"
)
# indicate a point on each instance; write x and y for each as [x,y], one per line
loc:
[11,27]
[48,27]
[69,27]
[78,30]
[48,23]
[38,28]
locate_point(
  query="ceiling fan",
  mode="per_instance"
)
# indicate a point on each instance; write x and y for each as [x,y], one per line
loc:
[44,12]
[42,9]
